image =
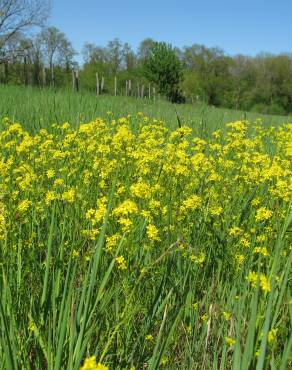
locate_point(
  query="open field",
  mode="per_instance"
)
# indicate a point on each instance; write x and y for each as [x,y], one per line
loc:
[144,244]
[36,108]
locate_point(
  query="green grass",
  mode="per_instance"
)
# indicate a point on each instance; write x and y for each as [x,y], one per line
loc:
[36,108]
[63,294]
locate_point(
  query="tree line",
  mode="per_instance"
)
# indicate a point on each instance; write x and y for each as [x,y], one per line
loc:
[194,73]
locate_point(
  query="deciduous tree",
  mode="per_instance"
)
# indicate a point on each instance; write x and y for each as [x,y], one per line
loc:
[164,69]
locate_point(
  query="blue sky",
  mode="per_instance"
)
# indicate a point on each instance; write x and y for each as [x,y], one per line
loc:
[246,26]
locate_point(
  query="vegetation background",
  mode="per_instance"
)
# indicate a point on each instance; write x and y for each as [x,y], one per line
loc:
[262,83]
[157,236]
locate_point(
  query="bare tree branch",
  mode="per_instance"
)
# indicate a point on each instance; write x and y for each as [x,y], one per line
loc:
[17,16]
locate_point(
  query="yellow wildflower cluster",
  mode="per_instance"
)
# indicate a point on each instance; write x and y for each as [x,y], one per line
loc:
[149,337]
[122,264]
[24,205]
[91,364]
[152,232]
[160,224]
[263,214]
[141,190]
[192,203]
[198,259]
[225,192]
[2,221]
[264,283]
[230,341]
[272,335]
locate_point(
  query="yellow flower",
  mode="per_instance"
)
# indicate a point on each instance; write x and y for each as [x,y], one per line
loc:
[50,173]
[261,238]
[255,202]
[122,265]
[122,138]
[272,335]
[32,326]
[2,221]
[263,214]
[239,259]
[126,224]
[164,361]
[237,126]
[75,253]
[90,214]
[65,126]
[230,341]
[125,208]
[24,205]
[261,250]
[91,364]
[58,182]
[192,203]
[216,134]
[50,196]
[141,190]
[216,210]
[69,196]
[152,233]
[199,258]
[149,337]
[123,120]
[253,278]
[245,242]
[204,317]
[235,231]
[264,283]
[111,242]
[147,215]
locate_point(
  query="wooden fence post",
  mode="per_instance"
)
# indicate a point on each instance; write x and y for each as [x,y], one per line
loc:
[97,84]
[126,87]
[142,92]
[115,85]
[75,80]
[149,91]
[44,77]
[130,87]
[102,84]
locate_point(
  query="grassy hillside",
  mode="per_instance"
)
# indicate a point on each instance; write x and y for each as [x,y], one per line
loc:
[136,246]
[36,108]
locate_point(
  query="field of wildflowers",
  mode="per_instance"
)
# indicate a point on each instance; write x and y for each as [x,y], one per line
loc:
[129,245]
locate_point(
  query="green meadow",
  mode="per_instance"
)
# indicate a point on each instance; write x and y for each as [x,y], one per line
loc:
[142,235]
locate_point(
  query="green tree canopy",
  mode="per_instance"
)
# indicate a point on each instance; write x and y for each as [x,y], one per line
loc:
[164,69]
